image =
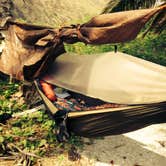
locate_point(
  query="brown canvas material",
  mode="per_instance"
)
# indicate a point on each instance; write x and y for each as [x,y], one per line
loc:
[113,28]
[28,51]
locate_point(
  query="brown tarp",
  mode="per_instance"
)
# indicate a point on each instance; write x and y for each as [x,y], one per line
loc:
[29,49]
[113,28]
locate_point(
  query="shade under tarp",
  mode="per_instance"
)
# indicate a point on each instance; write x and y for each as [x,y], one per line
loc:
[112,77]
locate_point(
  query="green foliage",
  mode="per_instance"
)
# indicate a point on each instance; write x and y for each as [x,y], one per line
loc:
[120,5]
[8,89]
[81,48]
[34,133]
[151,48]
[7,105]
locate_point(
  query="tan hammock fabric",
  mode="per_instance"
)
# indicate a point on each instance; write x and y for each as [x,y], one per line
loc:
[29,49]
[112,77]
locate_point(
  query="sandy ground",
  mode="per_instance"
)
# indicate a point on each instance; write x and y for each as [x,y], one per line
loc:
[144,147]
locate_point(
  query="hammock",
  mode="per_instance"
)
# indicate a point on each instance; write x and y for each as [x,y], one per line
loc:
[125,79]
[30,50]
[104,122]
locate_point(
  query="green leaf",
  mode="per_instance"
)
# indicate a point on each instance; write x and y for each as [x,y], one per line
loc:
[42,142]
[2,139]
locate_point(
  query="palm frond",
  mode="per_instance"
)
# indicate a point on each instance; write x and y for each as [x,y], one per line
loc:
[158,24]
[121,5]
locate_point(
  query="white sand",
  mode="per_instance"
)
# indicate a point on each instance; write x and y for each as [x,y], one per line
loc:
[144,147]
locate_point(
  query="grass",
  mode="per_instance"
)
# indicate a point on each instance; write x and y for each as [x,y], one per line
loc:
[34,133]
